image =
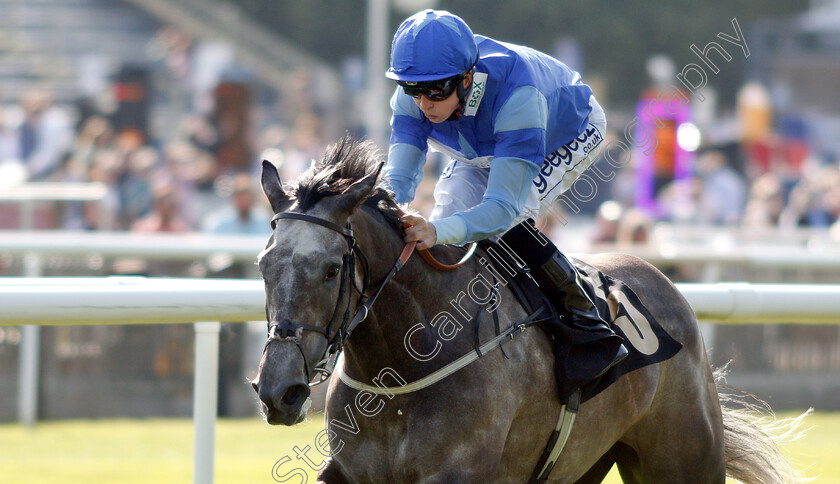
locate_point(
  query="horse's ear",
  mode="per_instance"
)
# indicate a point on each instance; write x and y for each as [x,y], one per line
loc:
[273,188]
[358,192]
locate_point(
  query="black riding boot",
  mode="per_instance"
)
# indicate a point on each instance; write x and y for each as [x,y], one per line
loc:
[560,282]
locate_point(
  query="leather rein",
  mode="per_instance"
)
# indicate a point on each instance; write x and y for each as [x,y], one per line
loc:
[286,330]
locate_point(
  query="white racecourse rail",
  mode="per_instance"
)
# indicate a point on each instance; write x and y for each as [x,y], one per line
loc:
[47,301]
[138,300]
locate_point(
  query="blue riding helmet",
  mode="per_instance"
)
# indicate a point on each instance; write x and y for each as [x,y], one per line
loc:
[431,45]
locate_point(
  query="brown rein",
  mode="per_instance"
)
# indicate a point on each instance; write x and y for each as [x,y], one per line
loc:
[430,259]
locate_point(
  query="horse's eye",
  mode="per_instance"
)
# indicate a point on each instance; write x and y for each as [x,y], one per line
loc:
[333,271]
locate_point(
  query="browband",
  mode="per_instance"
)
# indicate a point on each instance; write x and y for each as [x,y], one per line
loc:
[347,232]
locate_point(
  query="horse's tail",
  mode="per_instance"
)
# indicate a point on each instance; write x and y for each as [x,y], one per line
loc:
[753,438]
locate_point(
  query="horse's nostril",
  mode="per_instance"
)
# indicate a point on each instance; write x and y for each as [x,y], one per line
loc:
[295,393]
[256,387]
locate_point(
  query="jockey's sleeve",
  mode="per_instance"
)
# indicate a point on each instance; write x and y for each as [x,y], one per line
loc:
[508,187]
[408,146]
[519,135]
[404,170]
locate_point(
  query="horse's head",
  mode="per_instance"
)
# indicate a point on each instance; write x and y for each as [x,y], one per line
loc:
[311,277]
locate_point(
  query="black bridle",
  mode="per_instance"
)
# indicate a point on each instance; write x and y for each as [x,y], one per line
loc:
[286,330]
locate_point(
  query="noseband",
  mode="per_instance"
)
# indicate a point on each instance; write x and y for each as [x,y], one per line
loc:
[286,330]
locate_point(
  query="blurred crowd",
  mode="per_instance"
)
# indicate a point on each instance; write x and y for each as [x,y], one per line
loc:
[182,183]
[174,184]
[719,194]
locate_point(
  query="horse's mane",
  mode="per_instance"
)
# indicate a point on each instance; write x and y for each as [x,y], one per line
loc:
[343,164]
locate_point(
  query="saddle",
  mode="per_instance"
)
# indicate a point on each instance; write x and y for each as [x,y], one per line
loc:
[646,341]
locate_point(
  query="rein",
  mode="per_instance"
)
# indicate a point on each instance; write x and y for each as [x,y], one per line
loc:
[430,259]
[286,330]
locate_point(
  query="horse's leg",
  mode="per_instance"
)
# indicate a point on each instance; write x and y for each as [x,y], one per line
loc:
[621,454]
[627,461]
[601,422]
[681,438]
[473,457]
[455,439]
[331,473]
[689,455]
[599,471]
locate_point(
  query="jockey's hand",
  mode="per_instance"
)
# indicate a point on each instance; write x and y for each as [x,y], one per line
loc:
[418,229]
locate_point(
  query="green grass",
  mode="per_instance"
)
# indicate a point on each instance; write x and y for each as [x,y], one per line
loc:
[160,451]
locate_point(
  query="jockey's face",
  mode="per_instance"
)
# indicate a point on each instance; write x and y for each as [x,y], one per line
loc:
[440,111]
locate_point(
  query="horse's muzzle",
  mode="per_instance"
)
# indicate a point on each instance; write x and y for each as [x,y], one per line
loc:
[285,403]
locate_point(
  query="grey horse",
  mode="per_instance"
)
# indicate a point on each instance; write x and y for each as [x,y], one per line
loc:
[490,421]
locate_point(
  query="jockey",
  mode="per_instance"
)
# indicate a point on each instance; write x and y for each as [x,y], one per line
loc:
[519,127]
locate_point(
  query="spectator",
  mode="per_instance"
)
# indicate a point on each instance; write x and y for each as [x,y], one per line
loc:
[766,202]
[198,130]
[166,212]
[607,220]
[723,191]
[95,134]
[270,146]
[9,148]
[103,215]
[165,217]
[45,135]
[242,215]
[193,171]
[634,228]
[135,188]
[809,202]
[616,225]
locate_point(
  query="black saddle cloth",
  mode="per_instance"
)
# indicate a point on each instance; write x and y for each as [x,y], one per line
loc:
[645,339]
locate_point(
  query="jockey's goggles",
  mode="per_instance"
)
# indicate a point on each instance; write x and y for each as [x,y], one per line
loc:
[434,90]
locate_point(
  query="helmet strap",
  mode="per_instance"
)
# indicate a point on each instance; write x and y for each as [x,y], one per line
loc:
[462,98]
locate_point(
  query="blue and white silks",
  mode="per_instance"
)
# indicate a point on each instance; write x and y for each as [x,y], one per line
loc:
[523,106]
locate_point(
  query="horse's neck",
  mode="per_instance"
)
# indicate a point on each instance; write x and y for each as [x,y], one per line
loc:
[418,294]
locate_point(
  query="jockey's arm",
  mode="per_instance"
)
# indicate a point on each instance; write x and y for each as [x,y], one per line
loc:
[508,187]
[519,136]
[407,150]
[404,170]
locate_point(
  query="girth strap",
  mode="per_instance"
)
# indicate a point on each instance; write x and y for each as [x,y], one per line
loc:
[558,439]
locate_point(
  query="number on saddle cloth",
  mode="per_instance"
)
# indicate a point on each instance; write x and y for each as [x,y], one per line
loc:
[649,343]
[644,338]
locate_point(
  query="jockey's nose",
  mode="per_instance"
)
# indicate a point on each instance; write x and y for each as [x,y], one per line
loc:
[425,103]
